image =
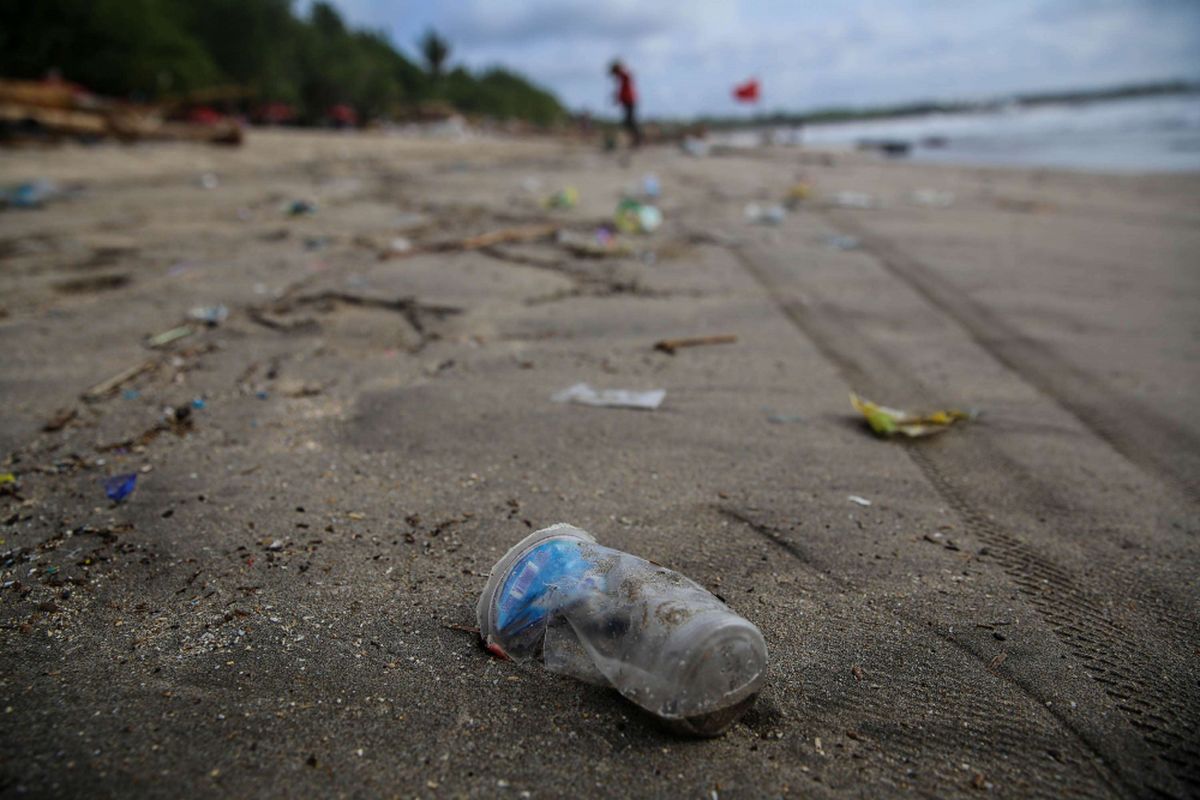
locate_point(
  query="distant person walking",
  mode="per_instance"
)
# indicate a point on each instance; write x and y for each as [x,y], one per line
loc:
[627,98]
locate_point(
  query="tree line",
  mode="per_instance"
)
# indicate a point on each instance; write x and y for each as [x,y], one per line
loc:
[154,50]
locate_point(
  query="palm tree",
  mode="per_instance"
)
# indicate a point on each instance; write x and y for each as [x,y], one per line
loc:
[436,50]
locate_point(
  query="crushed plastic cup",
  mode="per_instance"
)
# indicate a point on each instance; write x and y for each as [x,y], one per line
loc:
[610,618]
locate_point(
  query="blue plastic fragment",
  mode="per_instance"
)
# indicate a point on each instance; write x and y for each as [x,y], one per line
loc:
[131,394]
[118,487]
[198,403]
[262,394]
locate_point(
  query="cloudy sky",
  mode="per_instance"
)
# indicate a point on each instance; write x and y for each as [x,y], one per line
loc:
[686,54]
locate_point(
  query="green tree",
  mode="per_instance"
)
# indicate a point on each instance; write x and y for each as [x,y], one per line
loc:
[436,50]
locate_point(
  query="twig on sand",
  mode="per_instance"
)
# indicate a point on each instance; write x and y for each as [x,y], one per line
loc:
[110,385]
[669,346]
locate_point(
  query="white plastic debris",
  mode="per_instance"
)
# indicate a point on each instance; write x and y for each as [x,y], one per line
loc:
[765,215]
[933,198]
[862,501]
[854,200]
[583,394]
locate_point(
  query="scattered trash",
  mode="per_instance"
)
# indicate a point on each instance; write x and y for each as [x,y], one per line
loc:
[669,346]
[400,245]
[298,208]
[886,421]
[634,217]
[208,180]
[33,194]
[843,242]
[7,477]
[862,501]
[531,184]
[118,487]
[262,394]
[106,387]
[60,420]
[563,199]
[166,337]
[933,198]
[651,188]
[130,394]
[765,215]
[602,245]
[853,200]
[210,315]
[782,419]
[524,233]
[797,195]
[607,617]
[695,146]
[584,394]
[198,403]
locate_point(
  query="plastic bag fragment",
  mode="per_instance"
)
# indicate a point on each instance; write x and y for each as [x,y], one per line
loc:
[885,421]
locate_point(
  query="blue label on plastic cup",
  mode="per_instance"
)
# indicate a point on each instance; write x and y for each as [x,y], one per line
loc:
[535,584]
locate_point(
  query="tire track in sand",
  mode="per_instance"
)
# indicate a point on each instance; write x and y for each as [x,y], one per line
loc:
[1159,708]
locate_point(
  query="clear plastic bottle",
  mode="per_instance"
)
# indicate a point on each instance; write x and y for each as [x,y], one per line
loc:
[613,619]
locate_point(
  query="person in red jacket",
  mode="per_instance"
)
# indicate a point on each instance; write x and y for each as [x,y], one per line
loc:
[627,98]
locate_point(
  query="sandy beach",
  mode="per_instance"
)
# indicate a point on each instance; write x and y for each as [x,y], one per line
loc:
[325,476]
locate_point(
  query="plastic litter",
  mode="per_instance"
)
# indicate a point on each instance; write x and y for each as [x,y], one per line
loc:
[118,487]
[583,394]
[33,194]
[208,180]
[635,217]
[843,242]
[857,500]
[651,187]
[612,619]
[933,198]
[797,195]
[695,147]
[210,315]
[886,421]
[765,215]
[854,200]
[565,198]
[602,245]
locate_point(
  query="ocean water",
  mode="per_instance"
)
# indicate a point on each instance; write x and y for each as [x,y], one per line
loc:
[1149,134]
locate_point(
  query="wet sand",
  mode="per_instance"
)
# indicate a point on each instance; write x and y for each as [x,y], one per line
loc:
[277,608]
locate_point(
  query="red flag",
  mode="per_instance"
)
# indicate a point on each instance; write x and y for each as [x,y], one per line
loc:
[746,92]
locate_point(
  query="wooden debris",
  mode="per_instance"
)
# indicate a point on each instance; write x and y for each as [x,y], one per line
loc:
[69,111]
[60,420]
[106,387]
[669,346]
[997,661]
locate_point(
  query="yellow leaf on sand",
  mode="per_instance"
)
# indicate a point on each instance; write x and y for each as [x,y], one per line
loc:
[885,421]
